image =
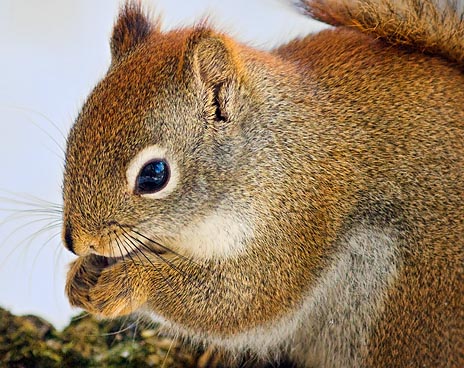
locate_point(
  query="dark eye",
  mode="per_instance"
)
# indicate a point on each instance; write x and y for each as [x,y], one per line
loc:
[152,178]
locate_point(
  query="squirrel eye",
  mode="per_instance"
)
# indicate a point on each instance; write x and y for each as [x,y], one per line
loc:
[152,178]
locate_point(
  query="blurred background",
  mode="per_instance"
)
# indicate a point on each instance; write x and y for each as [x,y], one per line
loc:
[52,52]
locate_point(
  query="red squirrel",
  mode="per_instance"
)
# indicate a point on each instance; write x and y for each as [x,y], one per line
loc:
[304,202]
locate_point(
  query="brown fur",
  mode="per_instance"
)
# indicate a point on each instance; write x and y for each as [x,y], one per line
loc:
[430,26]
[327,136]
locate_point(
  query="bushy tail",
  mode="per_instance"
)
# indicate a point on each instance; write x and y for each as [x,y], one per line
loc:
[431,26]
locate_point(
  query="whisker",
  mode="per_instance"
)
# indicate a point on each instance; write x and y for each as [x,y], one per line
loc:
[25,241]
[51,226]
[114,333]
[23,202]
[119,244]
[37,218]
[43,130]
[195,280]
[215,273]
[119,241]
[37,210]
[27,199]
[57,254]
[150,250]
[166,280]
[42,212]
[80,316]
[61,153]
[136,326]
[182,257]
[145,256]
[119,247]
[42,115]
[42,247]
[168,262]
[203,284]
[167,248]
[31,212]
[169,350]
[127,318]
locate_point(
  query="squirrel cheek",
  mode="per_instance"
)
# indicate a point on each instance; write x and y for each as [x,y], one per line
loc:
[220,235]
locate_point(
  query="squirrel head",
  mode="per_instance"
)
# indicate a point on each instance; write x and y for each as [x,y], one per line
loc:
[173,164]
[158,149]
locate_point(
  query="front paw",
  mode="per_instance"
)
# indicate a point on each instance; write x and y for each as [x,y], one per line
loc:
[82,276]
[106,289]
[120,290]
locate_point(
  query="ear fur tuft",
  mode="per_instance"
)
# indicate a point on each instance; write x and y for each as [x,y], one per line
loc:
[131,28]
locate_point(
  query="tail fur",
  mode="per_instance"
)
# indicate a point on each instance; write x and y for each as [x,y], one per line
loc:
[430,26]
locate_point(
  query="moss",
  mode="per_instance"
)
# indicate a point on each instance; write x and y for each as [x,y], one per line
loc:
[30,341]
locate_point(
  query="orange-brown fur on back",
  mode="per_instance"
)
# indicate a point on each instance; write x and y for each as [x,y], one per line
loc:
[410,105]
[314,204]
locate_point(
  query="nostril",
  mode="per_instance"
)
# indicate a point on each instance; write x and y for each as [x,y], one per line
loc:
[68,240]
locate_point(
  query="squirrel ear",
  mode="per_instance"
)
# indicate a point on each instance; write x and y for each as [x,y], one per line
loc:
[131,28]
[214,57]
[216,65]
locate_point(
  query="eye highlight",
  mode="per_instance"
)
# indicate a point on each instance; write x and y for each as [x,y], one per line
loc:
[153,177]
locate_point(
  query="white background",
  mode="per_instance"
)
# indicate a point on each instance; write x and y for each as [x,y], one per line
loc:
[52,52]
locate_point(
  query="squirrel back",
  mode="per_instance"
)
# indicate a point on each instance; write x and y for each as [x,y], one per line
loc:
[304,202]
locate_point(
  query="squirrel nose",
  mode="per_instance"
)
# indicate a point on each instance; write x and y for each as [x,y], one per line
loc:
[68,239]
